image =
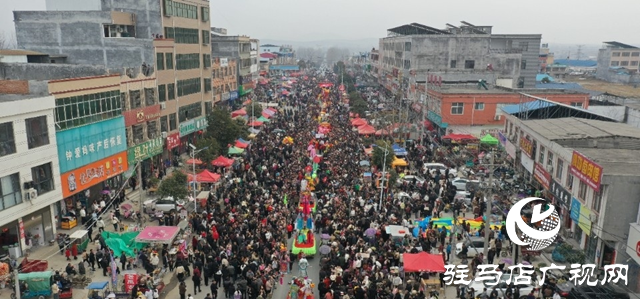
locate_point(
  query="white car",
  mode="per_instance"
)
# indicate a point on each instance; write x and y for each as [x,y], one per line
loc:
[167,205]
[432,167]
[475,246]
[411,180]
[460,184]
[501,287]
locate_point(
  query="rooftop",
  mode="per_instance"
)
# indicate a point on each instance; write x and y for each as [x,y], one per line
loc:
[561,129]
[16,52]
[542,109]
[268,45]
[620,45]
[568,86]
[472,88]
[621,90]
[614,161]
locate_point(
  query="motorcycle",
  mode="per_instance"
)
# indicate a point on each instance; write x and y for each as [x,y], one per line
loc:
[130,214]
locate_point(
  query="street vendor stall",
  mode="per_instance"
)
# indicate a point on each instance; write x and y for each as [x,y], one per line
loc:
[397,233]
[81,237]
[158,234]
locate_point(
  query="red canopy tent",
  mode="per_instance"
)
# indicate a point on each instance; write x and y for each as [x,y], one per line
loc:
[383,132]
[207,177]
[359,122]
[239,112]
[222,162]
[459,137]
[428,125]
[265,114]
[423,262]
[241,144]
[255,123]
[325,84]
[366,130]
[272,109]
[194,161]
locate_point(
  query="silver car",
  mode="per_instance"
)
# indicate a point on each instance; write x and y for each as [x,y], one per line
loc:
[501,287]
[167,205]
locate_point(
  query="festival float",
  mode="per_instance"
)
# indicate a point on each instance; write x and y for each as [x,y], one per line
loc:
[305,240]
[301,288]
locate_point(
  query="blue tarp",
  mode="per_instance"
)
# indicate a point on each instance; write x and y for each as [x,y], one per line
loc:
[540,77]
[244,141]
[398,151]
[97,285]
[517,108]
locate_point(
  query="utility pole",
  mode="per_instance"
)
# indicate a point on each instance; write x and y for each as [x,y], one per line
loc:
[489,195]
[17,285]
[140,206]
[383,176]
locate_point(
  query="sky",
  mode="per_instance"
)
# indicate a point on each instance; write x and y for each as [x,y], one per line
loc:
[565,21]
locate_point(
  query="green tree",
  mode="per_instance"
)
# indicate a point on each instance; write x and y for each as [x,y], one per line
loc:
[378,158]
[224,129]
[254,109]
[212,151]
[302,64]
[174,186]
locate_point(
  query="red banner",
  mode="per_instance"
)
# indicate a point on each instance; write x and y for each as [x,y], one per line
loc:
[542,176]
[586,170]
[141,115]
[173,140]
[527,147]
[130,281]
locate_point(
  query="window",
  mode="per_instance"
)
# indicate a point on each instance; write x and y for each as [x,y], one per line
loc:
[168,60]
[549,158]
[189,86]
[172,122]
[524,46]
[407,64]
[187,61]
[162,93]
[469,64]
[135,99]
[89,108]
[569,182]
[188,112]
[478,106]
[207,84]
[615,54]
[208,108]
[452,64]
[152,129]
[171,91]
[634,63]
[559,169]
[160,61]
[523,64]
[42,178]
[582,190]
[597,200]
[138,133]
[457,108]
[204,15]
[615,63]
[163,124]
[206,35]
[206,60]
[520,82]
[182,35]
[181,10]
[407,46]
[10,192]
[635,54]
[7,139]
[541,155]
[577,104]
[624,63]
[150,96]
[37,131]
[626,54]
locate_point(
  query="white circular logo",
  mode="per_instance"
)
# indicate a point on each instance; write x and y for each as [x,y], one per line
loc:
[546,225]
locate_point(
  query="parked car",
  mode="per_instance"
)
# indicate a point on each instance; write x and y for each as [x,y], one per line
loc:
[167,205]
[432,167]
[475,246]
[501,287]
[569,291]
[411,180]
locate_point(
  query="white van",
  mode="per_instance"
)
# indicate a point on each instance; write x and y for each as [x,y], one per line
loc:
[432,167]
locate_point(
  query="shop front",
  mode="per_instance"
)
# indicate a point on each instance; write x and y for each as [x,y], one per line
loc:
[10,236]
[436,119]
[562,201]
[187,130]
[173,142]
[543,178]
[90,181]
[35,228]
[233,96]
[527,154]
[148,153]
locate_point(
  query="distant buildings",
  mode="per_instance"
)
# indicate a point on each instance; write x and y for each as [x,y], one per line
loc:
[619,63]
[244,51]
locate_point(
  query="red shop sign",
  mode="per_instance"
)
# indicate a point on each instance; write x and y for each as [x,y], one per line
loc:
[141,115]
[542,176]
[130,281]
[173,140]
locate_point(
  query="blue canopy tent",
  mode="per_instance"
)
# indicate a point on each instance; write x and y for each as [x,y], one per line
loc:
[398,151]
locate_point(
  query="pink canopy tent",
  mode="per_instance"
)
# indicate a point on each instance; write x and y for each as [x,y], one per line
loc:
[366,130]
[239,112]
[459,137]
[222,162]
[255,123]
[274,110]
[359,122]
[265,114]
[158,234]
[194,161]
[423,262]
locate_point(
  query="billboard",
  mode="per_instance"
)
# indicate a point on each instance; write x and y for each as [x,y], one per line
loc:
[89,175]
[80,146]
[589,172]
[141,115]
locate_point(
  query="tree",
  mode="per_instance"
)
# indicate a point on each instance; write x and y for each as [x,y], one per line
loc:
[174,186]
[224,129]
[7,40]
[212,151]
[357,104]
[378,158]
[254,109]
[302,64]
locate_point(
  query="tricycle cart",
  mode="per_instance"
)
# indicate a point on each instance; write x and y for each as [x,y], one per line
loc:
[35,285]
[27,266]
[81,237]
[98,290]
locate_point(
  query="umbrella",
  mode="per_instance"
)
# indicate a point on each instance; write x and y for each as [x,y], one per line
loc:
[278,131]
[370,232]
[365,163]
[506,261]
[194,161]
[324,249]
[325,237]
[106,192]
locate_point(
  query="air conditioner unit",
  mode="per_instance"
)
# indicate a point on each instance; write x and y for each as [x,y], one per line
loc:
[164,134]
[497,117]
[31,194]
[163,106]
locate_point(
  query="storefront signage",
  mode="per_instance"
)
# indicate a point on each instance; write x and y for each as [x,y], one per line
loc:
[560,193]
[193,125]
[437,119]
[526,146]
[87,144]
[141,115]
[527,163]
[633,243]
[586,170]
[226,96]
[575,209]
[502,138]
[542,175]
[584,222]
[82,178]
[511,149]
[233,95]
[130,281]
[173,140]
[224,62]
[145,150]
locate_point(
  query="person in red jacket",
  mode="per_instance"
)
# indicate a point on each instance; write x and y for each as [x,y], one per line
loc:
[289,230]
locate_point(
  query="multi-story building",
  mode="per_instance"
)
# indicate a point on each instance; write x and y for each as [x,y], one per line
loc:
[269,48]
[588,168]
[168,36]
[546,57]
[244,50]
[458,54]
[617,62]
[30,176]
[225,79]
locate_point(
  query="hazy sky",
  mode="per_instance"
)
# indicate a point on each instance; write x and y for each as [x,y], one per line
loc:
[564,21]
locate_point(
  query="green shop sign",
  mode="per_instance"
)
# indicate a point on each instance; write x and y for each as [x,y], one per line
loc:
[193,125]
[145,150]
[437,119]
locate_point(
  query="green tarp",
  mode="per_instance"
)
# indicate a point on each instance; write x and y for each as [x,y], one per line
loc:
[488,139]
[37,281]
[263,119]
[125,242]
[235,150]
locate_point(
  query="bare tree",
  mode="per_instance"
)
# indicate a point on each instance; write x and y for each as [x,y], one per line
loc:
[309,53]
[7,40]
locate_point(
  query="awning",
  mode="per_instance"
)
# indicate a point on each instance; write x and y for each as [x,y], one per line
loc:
[459,137]
[359,122]
[488,139]
[241,144]
[194,161]
[398,150]
[222,162]
[399,162]
[235,150]
[267,113]
[158,234]
[263,119]
[423,262]
[255,123]
[239,112]
[366,130]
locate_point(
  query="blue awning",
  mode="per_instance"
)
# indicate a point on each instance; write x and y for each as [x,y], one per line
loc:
[528,106]
[398,150]
[97,285]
